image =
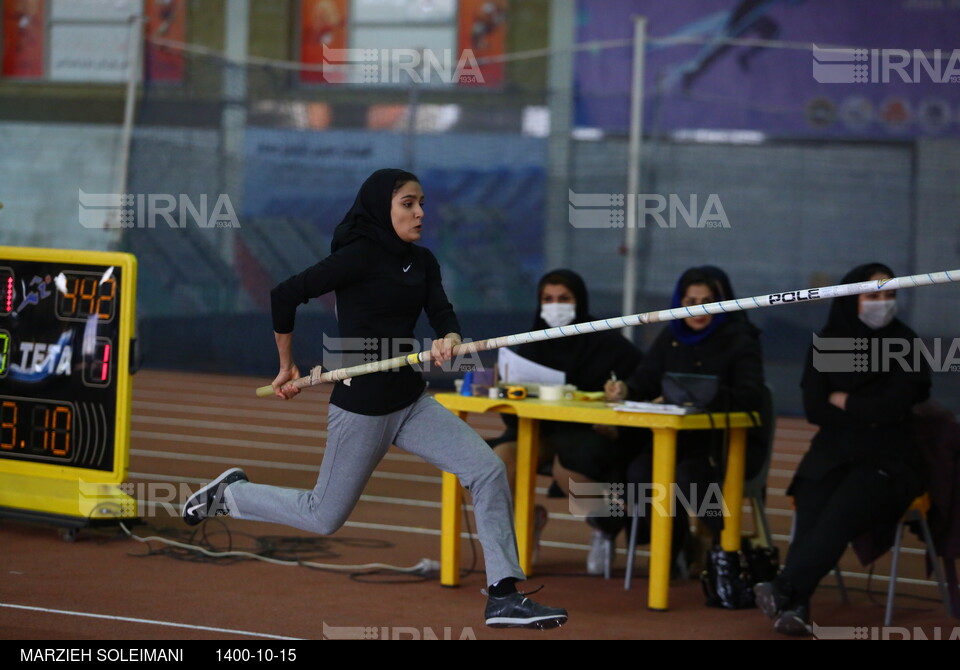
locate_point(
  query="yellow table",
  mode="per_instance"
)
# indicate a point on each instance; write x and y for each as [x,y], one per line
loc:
[664,426]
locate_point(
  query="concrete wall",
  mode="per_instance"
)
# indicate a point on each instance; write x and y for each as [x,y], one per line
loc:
[42,169]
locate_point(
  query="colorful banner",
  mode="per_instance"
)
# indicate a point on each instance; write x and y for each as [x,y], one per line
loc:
[24,30]
[165,19]
[323,24]
[483,31]
[900,76]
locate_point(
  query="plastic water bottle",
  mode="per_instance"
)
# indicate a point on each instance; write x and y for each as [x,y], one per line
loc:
[467,388]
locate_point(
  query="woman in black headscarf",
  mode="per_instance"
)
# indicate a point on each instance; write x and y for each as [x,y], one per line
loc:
[383,281]
[586,359]
[573,451]
[862,469]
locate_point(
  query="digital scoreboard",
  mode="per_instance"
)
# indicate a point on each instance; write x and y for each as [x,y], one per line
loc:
[66,334]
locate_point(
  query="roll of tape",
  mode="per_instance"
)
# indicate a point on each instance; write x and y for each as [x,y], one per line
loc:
[516,392]
[551,392]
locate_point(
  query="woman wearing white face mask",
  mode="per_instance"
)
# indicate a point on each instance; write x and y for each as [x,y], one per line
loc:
[862,470]
[572,450]
[558,306]
[877,310]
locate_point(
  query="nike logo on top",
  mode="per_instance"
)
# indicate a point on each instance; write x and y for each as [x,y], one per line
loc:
[408,267]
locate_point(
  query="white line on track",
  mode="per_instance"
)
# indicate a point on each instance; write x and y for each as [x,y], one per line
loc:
[152,622]
[226,411]
[226,425]
[253,404]
[426,479]
[398,529]
[233,387]
[225,442]
[788,458]
[253,444]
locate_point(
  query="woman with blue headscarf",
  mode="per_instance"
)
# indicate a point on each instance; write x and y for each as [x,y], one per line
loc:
[726,346]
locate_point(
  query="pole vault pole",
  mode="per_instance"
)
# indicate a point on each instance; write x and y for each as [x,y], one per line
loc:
[317,376]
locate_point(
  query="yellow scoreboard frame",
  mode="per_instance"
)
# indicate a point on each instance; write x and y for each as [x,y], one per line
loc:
[65,418]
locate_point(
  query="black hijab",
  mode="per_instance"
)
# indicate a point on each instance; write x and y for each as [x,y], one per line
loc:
[575,284]
[586,359]
[370,215]
[844,319]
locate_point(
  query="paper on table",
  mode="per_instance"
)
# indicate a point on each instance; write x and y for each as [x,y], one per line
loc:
[654,408]
[514,368]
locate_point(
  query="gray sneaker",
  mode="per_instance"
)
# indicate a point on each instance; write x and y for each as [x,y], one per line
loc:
[208,501]
[518,611]
[794,621]
[769,599]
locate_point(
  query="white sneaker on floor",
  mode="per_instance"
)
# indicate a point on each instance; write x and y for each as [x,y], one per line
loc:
[600,558]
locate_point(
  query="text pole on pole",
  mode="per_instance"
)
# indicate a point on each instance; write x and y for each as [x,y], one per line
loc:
[633,170]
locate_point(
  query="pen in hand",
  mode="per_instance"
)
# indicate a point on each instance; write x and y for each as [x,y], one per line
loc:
[612,387]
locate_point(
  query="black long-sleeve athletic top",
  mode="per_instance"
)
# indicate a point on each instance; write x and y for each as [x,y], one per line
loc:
[380,294]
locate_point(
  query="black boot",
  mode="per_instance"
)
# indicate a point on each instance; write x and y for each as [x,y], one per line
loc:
[726,582]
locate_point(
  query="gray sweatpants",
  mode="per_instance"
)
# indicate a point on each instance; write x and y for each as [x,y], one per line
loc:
[355,445]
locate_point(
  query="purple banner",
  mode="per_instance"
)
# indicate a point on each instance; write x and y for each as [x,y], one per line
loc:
[843,68]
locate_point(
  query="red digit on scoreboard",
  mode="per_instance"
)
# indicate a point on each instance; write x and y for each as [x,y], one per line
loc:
[7,290]
[105,367]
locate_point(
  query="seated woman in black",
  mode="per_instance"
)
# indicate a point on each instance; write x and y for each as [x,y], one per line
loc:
[574,451]
[862,469]
[726,346]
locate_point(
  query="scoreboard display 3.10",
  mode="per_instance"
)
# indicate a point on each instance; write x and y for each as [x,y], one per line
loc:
[66,332]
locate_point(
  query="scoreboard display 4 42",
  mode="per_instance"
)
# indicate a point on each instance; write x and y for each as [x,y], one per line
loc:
[66,334]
